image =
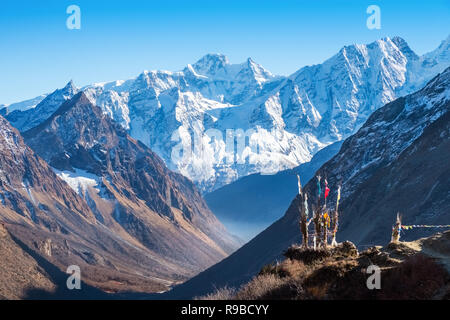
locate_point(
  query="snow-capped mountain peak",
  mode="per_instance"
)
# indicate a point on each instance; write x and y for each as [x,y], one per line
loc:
[31,117]
[260,74]
[403,46]
[440,55]
[211,64]
[70,86]
[216,67]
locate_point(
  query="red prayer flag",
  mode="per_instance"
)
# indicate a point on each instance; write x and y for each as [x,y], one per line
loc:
[327,190]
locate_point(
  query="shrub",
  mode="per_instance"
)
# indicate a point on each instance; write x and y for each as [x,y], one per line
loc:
[418,277]
[307,256]
[224,293]
[271,269]
[259,287]
[294,268]
[317,292]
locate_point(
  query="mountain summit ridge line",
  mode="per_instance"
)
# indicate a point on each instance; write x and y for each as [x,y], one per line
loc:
[290,118]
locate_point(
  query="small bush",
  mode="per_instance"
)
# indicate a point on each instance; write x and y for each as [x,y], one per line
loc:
[224,293]
[290,289]
[418,277]
[274,269]
[259,287]
[294,268]
[287,268]
[317,292]
[307,256]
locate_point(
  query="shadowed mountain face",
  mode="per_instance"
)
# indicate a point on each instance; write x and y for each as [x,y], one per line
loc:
[128,187]
[15,263]
[398,161]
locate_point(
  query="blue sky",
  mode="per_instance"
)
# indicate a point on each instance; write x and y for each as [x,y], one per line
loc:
[119,39]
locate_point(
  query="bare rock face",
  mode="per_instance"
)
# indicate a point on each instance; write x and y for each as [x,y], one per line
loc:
[30,188]
[3,232]
[46,247]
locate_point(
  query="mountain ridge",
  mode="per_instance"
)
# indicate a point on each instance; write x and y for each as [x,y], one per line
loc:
[288,118]
[135,192]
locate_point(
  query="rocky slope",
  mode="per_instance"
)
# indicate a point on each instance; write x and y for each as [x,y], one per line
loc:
[19,270]
[27,273]
[128,188]
[46,224]
[286,119]
[398,161]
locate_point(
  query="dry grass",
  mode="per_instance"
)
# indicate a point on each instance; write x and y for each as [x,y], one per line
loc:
[317,292]
[261,287]
[225,293]
[295,269]
[287,268]
[419,277]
